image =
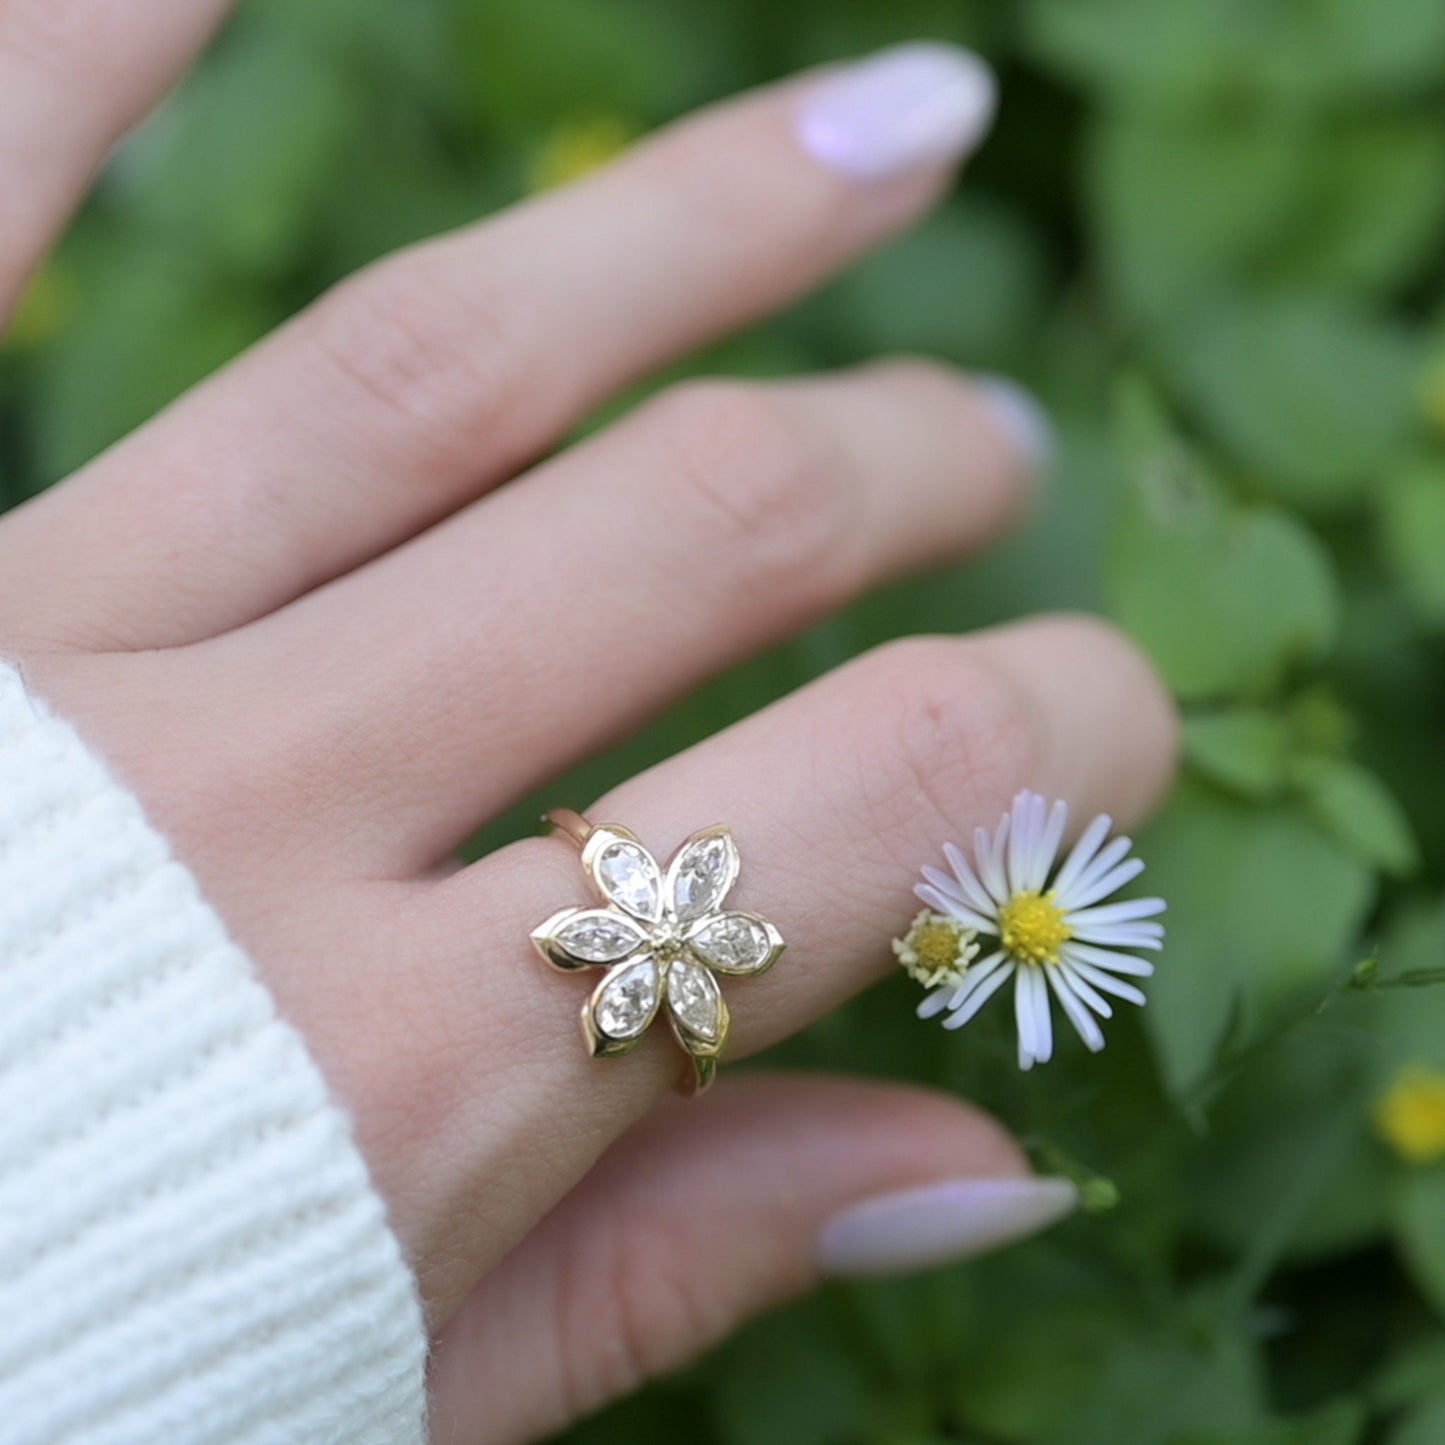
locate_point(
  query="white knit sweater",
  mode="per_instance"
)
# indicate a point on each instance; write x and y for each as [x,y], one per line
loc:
[190,1248]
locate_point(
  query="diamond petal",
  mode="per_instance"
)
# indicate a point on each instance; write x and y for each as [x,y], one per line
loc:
[738,943]
[701,872]
[696,1005]
[625,873]
[582,937]
[622,1006]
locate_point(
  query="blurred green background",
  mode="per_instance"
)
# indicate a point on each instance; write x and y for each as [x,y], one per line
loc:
[1209,233]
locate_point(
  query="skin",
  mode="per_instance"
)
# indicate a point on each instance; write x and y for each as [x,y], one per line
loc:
[295,619]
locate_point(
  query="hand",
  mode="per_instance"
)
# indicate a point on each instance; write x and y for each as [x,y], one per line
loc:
[303,620]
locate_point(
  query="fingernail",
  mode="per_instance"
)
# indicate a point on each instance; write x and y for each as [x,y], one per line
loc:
[935,1224]
[900,110]
[1022,418]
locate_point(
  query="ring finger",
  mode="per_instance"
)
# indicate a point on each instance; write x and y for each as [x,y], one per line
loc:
[834,795]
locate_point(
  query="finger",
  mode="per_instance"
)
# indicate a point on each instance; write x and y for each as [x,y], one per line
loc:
[703,1216]
[441,371]
[835,795]
[74,76]
[720,518]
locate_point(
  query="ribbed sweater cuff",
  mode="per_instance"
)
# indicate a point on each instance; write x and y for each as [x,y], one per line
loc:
[190,1248]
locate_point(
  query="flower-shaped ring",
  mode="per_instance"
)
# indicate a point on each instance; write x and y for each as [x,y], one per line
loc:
[661,934]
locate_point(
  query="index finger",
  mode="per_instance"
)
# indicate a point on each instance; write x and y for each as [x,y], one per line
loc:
[441,371]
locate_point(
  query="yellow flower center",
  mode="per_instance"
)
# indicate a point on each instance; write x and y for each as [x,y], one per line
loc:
[1032,928]
[936,945]
[1411,1116]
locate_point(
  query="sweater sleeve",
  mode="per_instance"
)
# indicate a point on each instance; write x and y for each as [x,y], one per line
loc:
[190,1247]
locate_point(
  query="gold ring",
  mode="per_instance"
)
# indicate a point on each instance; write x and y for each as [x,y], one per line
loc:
[661,934]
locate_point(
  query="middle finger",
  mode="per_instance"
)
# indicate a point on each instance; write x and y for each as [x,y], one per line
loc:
[461,671]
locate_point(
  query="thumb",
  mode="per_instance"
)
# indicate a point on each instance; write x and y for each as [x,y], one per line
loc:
[709,1212]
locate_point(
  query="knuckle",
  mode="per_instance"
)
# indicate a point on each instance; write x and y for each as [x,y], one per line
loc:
[440,360]
[949,731]
[755,477]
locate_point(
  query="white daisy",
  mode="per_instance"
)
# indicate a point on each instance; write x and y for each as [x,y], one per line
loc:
[1055,932]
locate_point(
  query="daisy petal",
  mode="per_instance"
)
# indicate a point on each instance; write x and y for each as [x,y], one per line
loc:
[1047,850]
[944,882]
[1126,912]
[1024,1017]
[1109,983]
[1086,991]
[1026,830]
[1103,862]
[933,1004]
[1107,959]
[942,903]
[1079,1016]
[1097,889]
[975,976]
[1043,1016]
[990,855]
[1083,853]
[980,996]
[968,883]
[1123,935]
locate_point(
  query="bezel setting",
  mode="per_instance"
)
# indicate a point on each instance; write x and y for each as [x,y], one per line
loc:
[663,937]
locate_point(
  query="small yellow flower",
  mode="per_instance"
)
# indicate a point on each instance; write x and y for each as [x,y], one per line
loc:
[577,147]
[1410,1117]
[936,950]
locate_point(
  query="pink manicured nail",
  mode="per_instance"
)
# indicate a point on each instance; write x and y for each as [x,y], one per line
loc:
[900,110]
[1022,418]
[937,1224]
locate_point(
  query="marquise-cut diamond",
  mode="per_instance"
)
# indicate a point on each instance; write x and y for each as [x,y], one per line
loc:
[733,942]
[627,1000]
[629,877]
[600,937]
[704,873]
[693,996]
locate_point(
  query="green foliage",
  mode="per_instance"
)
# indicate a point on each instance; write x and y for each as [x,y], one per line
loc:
[1208,232]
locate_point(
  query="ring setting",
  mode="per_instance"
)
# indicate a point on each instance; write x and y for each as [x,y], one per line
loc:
[662,935]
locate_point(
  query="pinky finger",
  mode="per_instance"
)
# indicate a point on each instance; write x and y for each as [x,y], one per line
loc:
[711,1212]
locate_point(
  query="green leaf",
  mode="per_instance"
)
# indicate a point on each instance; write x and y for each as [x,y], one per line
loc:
[1167,1386]
[1228,600]
[1261,905]
[1412,513]
[1412,1375]
[1419,1214]
[792,1380]
[1133,46]
[1359,811]
[149,327]
[1244,750]
[965,284]
[1313,397]
[1424,1427]
[1157,176]
[1342,1423]
[531,63]
[1372,213]
[1329,48]
[235,169]
[1293,1117]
